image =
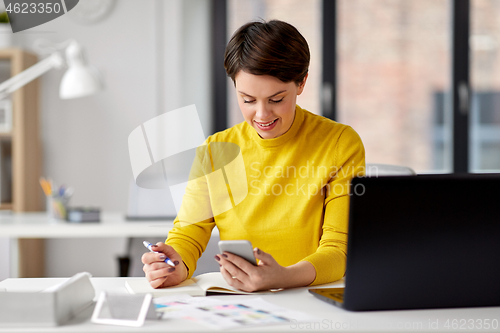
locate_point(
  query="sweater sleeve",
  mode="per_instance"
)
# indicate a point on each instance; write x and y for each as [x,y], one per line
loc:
[329,260]
[194,222]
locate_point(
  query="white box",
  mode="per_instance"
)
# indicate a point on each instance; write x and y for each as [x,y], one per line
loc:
[50,307]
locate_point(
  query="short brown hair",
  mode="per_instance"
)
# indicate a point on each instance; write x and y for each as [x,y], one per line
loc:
[273,48]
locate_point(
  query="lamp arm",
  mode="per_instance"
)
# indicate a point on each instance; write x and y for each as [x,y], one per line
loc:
[53,61]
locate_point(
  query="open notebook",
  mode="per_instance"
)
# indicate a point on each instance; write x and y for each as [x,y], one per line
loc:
[196,286]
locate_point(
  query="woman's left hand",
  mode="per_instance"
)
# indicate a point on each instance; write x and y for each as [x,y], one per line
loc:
[268,274]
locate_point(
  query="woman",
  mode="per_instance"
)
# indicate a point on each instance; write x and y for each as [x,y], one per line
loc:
[298,168]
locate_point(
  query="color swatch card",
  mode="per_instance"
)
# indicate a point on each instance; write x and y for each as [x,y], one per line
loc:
[228,313]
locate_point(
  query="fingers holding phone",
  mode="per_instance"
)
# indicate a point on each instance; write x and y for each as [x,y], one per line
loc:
[241,248]
[240,270]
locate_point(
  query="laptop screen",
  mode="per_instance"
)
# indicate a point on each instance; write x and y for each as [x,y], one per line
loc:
[423,242]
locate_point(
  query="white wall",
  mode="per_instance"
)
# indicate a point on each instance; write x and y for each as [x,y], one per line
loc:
[154,55]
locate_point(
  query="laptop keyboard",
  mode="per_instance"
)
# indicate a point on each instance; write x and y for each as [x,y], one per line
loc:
[338,295]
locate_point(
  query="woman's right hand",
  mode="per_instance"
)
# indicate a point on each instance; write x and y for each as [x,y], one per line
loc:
[160,274]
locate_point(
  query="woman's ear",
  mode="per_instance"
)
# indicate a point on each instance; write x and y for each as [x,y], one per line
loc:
[302,84]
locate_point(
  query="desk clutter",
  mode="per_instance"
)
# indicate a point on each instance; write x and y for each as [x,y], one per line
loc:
[178,303]
[57,198]
[133,310]
[58,208]
[83,214]
[23,306]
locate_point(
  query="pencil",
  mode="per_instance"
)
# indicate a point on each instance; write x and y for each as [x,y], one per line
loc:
[45,186]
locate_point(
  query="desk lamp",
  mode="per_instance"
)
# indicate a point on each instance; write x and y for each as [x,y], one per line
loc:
[79,80]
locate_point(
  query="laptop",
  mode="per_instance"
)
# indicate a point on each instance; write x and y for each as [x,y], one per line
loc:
[418,242]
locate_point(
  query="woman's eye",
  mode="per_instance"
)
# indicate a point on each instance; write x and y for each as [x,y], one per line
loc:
[276,101]
[245,101]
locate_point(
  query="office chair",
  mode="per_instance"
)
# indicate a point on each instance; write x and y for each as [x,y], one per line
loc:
[376,170]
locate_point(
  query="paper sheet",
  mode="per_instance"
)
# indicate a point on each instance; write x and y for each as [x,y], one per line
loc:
[226,313]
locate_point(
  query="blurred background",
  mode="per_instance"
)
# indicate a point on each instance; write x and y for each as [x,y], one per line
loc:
[388,68]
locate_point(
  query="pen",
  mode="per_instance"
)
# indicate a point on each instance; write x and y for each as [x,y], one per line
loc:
[62,189]
[69,192]
[148,246]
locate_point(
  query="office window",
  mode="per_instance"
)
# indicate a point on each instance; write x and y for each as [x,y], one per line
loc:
[484,42]
[394,73]
[305,15]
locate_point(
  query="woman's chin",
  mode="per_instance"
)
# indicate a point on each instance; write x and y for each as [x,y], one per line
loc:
[267,134]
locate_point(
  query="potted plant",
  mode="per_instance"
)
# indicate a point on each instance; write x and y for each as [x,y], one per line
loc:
[5,30]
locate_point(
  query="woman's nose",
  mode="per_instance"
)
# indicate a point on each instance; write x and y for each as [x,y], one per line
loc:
[262,112]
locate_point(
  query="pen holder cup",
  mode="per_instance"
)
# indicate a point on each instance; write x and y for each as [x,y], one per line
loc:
[57,207]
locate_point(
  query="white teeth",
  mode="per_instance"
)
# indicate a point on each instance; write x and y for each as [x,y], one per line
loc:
[268,124]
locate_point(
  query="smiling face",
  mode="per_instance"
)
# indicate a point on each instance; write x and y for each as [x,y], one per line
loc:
[267,103]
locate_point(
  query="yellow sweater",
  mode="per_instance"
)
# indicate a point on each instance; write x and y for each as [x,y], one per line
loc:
[297,203]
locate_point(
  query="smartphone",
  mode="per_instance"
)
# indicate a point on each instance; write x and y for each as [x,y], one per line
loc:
[242,248]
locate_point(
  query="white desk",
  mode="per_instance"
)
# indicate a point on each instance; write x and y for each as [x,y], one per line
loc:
[330,317]
[37,225]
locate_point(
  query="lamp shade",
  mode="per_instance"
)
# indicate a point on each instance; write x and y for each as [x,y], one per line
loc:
[79,80]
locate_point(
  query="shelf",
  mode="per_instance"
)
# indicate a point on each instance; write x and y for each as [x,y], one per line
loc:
[21,156]
[5,135]
[6,206]
[10,52]
[22,144]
